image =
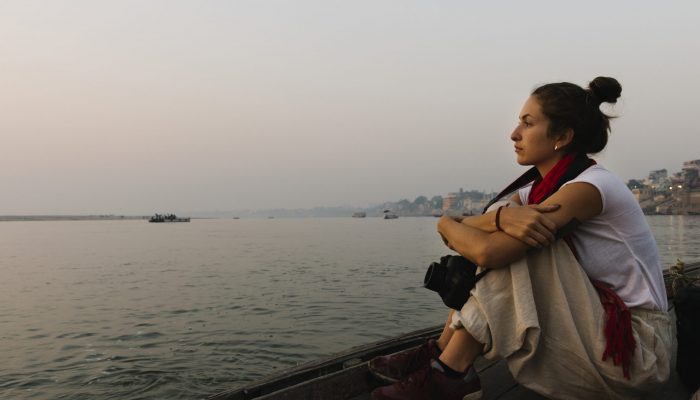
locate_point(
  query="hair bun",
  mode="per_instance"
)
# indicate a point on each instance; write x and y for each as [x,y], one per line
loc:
[604,89]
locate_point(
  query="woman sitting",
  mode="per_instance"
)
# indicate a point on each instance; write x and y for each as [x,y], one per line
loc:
[580,318]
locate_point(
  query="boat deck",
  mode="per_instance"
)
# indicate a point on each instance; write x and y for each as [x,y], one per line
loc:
[498,384]
[346,376]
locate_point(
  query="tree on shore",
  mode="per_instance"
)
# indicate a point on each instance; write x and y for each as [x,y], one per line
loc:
[436,202]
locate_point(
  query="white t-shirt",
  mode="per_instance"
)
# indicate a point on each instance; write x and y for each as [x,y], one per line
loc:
[616,246]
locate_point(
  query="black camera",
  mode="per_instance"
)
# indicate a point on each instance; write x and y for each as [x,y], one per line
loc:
[453,278]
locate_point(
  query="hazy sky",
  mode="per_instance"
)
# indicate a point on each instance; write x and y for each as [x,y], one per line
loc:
[142,106]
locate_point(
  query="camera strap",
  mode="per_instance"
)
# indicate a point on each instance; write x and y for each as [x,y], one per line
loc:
[569,168]
[565,170]
[480,275]
[529,176]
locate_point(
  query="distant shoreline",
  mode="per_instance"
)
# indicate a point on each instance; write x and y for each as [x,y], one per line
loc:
[5,218]
[38,218]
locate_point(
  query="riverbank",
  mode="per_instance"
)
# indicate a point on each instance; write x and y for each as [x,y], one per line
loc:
[69,217]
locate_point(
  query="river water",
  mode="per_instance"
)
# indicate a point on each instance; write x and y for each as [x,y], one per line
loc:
[127,309]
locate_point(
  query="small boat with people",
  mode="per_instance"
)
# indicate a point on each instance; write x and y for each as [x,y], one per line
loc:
[359,214]
[346,375]
[160,218]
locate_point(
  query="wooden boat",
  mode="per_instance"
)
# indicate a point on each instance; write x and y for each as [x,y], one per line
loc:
[345,375]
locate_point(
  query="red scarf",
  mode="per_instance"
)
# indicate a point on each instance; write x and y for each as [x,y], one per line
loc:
[620,341]
[544,187]
[618,328]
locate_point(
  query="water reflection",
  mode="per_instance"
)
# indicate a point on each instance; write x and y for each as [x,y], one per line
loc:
[678,237]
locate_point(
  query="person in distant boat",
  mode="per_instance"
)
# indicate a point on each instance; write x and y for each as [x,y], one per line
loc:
[580,318]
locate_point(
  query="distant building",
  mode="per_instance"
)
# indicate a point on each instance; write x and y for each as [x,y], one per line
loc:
[450,201]
[635,184]
[658,175]
[471,202]
[657,180]
[692,164]
[690,173]
[643,193]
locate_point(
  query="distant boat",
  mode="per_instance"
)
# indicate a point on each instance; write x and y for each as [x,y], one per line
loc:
[359,214]
[437,213]
[388,214]
[167,218]
[236,217]
[270,217]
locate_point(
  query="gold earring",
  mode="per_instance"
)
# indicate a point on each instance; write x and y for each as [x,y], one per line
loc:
[556,147]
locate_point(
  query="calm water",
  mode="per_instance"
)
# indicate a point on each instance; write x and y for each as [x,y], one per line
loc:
[127,309]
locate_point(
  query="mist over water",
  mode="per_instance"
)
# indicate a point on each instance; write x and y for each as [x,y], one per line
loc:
[127,309]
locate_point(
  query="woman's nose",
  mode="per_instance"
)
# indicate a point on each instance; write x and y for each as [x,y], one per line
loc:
[515,135]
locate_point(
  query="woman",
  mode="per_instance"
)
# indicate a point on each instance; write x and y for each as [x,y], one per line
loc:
[578,318]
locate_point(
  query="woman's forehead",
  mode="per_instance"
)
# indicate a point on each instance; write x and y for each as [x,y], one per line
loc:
[532,108]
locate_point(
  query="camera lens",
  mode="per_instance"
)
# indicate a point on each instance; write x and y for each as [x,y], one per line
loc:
[452,278]
[435,277]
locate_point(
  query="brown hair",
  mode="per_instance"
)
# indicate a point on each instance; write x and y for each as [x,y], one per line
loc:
[570,106]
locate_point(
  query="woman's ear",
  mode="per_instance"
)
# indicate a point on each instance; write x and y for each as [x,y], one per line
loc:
[565,138]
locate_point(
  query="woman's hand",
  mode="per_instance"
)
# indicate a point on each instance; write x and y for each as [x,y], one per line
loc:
[529,224]
[441,228]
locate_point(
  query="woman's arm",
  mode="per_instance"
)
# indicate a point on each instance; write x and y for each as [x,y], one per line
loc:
[487,221]
[527,223]
[497,249]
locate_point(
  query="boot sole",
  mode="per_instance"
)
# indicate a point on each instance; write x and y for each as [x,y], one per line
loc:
[383,377]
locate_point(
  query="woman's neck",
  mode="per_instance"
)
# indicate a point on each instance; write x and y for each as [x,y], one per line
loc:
[547,166]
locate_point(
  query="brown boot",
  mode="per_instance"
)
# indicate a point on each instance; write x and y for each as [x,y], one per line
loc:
[397,366]
[430,383]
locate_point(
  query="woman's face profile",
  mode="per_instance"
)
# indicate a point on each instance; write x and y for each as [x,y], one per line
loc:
[532,145]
